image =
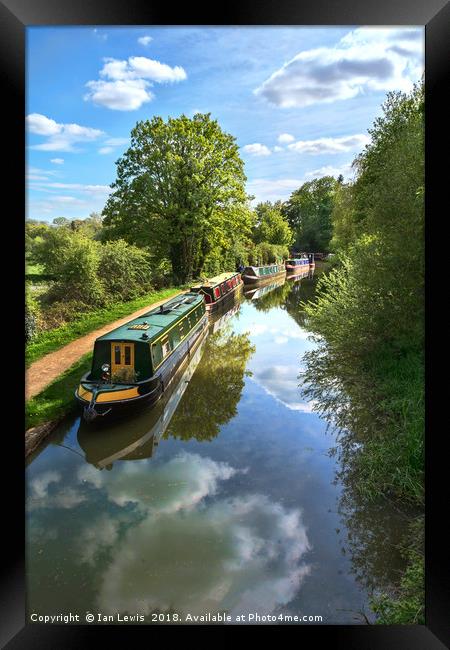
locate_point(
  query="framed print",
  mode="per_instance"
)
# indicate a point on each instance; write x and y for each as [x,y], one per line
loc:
[227,300]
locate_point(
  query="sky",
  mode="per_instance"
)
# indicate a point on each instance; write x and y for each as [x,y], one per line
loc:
[298,100]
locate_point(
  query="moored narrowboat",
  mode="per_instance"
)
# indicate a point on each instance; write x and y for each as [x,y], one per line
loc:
[219,289]
[297,265]
[133,364]
[143,433]
[261,274]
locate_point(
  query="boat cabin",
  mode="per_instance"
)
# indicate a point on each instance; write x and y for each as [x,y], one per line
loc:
[219,287]
[135,351]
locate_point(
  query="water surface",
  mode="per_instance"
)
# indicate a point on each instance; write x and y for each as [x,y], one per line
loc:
[224,498]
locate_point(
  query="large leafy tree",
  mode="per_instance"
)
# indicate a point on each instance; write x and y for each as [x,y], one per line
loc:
[272,227]
[308,212]
[179,187]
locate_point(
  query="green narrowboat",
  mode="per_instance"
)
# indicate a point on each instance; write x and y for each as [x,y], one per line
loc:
[143,433]
[133,364]
[260,274]
[219,290]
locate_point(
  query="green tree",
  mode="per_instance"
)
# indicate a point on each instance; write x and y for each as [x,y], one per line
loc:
[177,178]
[308,212]
[272,226]
[343,218]
[124,270]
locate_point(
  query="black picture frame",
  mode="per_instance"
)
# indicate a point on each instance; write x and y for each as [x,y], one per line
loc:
[15,16]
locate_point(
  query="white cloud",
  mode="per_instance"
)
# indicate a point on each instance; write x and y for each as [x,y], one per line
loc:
[111,144]
[331,145]
[124,85]
[328,170]
[78,187]
[127,95]
[57,161]
[61,137]
[116,142]
[277,148]
[42,125]
[366,59]
[145,40]
[272,190]
[285,138]
[256,149]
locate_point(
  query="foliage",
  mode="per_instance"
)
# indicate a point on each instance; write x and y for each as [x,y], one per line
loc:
[406,605]
[272,227]
[177,189]
[32,315]
[265,253]
[308,212]
[75,263]
[124,270]
[124,376]
[368,315]
[343,218]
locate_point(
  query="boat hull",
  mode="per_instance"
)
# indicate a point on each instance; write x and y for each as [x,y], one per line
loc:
[257,280]
[154,388]
[297,270]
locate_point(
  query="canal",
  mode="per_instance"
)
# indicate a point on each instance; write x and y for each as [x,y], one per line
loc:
[224,498]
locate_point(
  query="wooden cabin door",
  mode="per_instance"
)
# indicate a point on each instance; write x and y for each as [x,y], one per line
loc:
[122,357]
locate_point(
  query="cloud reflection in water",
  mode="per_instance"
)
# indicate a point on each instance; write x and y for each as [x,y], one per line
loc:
[193,553]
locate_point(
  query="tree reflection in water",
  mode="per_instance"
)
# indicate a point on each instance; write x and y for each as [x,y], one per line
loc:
[376,527]
[215,388]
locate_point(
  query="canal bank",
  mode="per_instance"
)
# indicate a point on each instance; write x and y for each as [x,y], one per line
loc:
[227,499]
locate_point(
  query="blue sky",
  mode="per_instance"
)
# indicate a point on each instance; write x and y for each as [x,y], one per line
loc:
[299,100]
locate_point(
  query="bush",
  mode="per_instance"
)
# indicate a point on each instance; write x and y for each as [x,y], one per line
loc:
[61,312]
[32,315]
[265,253]
[124,270]
[76,264]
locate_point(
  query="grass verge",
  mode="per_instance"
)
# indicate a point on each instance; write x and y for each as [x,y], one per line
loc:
[57,399]
[55,339]
[407,605]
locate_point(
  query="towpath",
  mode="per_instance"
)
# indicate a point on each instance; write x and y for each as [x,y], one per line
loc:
[41,373]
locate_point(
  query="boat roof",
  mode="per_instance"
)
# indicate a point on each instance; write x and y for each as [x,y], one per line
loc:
[217,279]
[154,321]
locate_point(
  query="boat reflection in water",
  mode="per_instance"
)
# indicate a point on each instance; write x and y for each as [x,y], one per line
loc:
[137,438]
[252,293]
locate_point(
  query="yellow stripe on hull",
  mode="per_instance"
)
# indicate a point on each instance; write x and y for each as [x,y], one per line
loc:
[112,396]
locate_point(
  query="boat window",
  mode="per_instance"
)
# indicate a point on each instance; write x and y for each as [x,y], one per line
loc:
[175,337]
[127,355]
[165,345]
[216,292]
[157,354]
[117,355]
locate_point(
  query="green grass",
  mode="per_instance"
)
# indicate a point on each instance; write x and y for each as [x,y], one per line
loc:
[407,605]
[57,399]
[393,460]
[55,339]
